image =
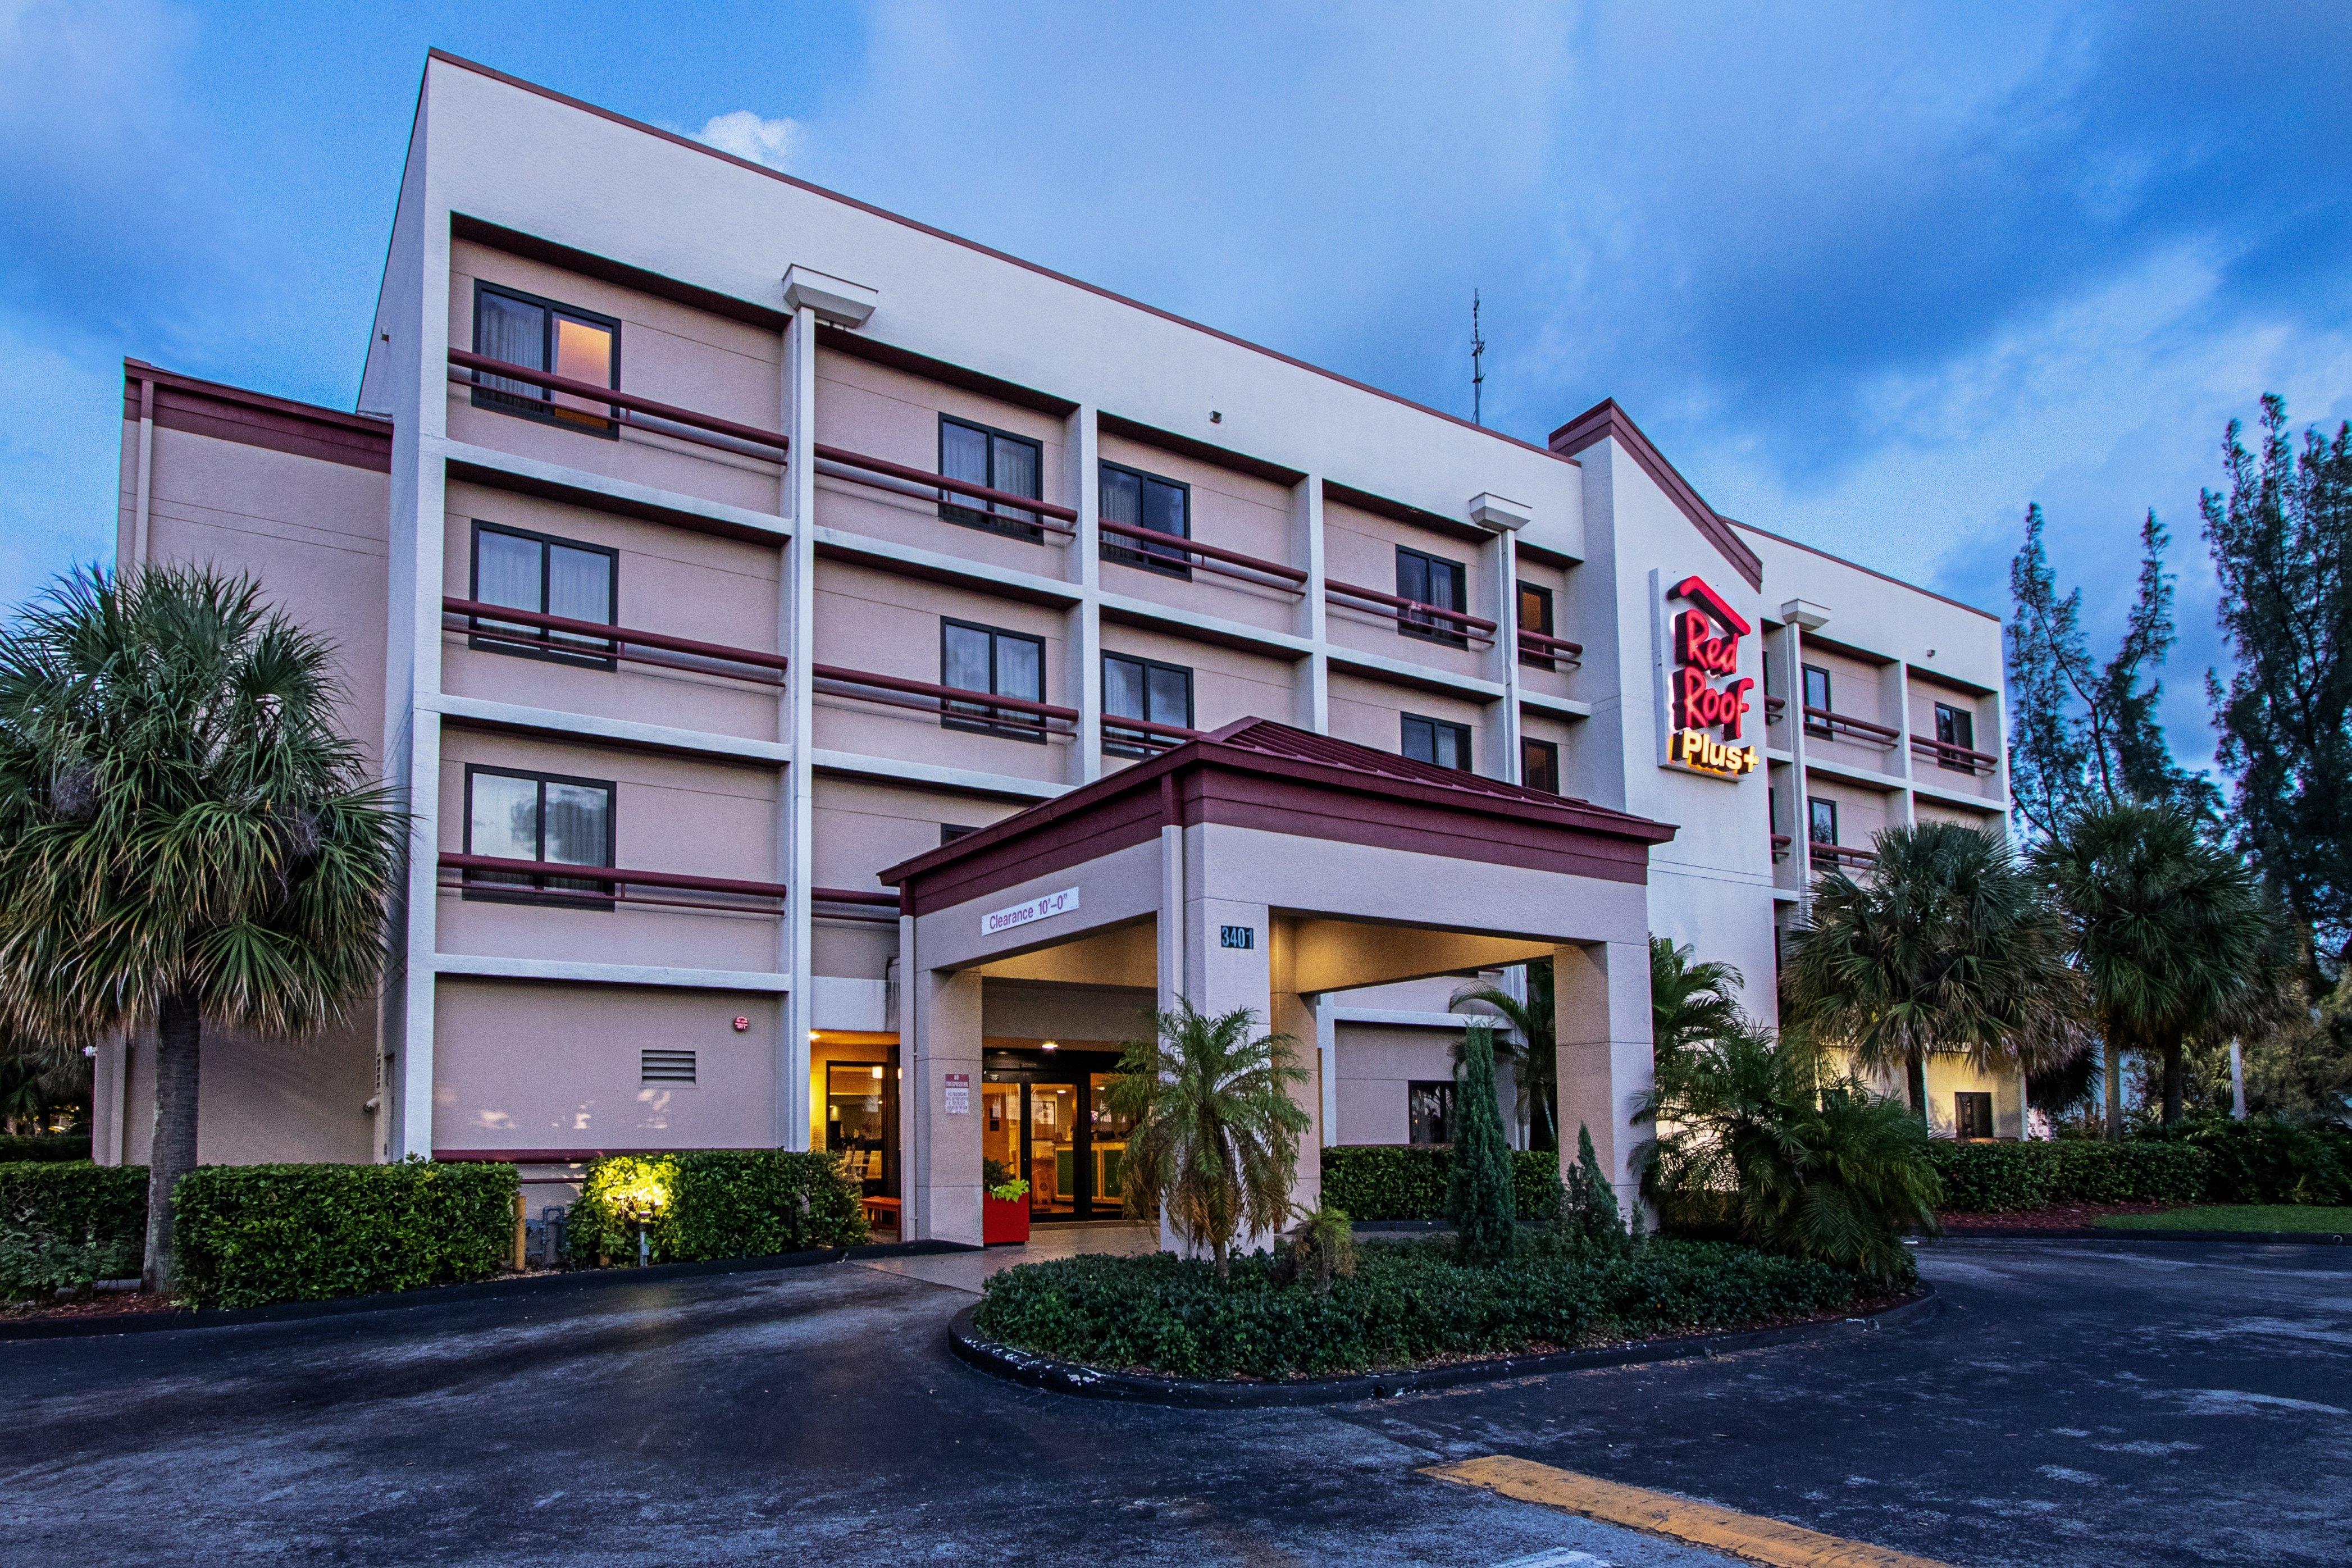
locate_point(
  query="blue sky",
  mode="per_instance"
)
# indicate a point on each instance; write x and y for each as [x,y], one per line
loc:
[1874,277]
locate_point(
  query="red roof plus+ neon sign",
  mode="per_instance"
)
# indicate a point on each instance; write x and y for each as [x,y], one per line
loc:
[1706,645]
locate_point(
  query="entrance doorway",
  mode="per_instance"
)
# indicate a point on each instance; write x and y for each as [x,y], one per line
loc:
[861,1121]
[1046,1116]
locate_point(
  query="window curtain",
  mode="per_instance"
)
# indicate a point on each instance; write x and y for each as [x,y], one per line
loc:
[580,588]
[516,332]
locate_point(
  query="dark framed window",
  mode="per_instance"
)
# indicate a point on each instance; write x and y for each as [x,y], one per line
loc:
[526,571]
[1956,727]
[1143,689]
[1539,764]
[539,816]
[1438,583]
[1817,696]
[1429,1110]
[1001,663]
[544,335]
[1535,615]
[951,831]
[1145,500]
[999,460]
[1436,741]
[1821,820]
[1973,1114]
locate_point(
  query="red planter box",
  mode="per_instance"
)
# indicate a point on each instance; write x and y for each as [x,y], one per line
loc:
[1003,1221]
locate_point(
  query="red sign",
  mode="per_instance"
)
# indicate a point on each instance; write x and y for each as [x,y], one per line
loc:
[1706,645]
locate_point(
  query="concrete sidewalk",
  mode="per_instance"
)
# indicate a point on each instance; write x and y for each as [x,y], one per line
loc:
[967,1270]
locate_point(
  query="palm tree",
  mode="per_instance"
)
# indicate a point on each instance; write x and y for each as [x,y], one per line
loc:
[1214,1144]
[1533,1054]
[2171,931]
[185,837]
[1943,946]
[1690,1002]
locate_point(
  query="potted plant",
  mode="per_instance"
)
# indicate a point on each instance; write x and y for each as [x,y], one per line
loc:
[1003,1205]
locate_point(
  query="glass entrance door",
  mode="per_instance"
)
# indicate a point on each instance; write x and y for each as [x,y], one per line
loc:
[1044,1120]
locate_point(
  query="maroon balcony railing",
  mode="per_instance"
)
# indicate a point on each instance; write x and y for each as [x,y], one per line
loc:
[1543,645]
[627,407]
[1413,612]
[865,907]
[1839,854]
[1120,731]
[1821,721]
[608,884]
[1049,515]
[1978,762]
[1780,845]
[1774,707]
[998,709]
[609,641]
[1207,557]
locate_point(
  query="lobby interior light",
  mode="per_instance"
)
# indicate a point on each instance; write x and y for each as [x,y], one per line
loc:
[877,1069]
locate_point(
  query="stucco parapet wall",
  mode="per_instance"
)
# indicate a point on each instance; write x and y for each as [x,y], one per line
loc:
[1255,774]
[200,407]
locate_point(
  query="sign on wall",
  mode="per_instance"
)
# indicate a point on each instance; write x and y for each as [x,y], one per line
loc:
[1704,717]
[1065,902]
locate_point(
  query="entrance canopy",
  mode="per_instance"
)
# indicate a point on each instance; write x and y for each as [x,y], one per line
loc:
[1262,867]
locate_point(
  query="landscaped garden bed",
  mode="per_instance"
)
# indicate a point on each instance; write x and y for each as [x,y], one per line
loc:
[1409,1303]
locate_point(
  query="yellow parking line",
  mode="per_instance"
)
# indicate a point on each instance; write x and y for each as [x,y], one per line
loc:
[1701,1524]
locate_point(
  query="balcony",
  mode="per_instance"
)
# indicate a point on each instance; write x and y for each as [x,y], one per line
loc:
[1154,549]
[1144,736]
[1960,759]
[610,885]
[1821,722]
[1546,651]
[1458,627]
[1824,853]
[502,627]
[1782,843]
[1016,716]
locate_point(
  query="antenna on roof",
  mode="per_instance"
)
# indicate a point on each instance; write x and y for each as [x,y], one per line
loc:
[1477,366]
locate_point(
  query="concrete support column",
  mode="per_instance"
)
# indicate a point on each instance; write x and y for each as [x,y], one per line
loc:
[1311,694]
[1085,621]
[942,1085]
[1601,1020]
[797,805]
[1228,963]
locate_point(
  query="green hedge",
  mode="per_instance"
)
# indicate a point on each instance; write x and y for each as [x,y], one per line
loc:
[2265,1160]
[1407,1302]
[1408,1181]
[716,1203]
[64,1226]
[1999,1178]
[55,1146]
[246,1234]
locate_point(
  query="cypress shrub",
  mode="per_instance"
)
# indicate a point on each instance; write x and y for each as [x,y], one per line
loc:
[714,1203]
[249,1234]
[1588,1204]
[64,1225]
[1479,1200]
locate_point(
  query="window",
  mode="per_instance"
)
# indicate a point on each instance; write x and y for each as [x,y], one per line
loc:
[1143,689]
[542,817]
[526,570]
[1141,500]
[1429,1111]
[951,831]
[1444,584]
[1539,765]
[1821,820]
[1435,740]
[1535,615]
[1972,1115]
[539,334]
[1817,696]
[1002,461]
[1006,664]
[666,1067]
[1956,727]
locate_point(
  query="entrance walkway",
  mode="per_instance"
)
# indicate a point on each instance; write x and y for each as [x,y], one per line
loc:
[966,1270]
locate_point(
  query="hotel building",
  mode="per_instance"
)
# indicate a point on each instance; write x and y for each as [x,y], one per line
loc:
[843,676]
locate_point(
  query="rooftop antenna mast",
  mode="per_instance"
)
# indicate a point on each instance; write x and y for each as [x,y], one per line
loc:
[1478,366]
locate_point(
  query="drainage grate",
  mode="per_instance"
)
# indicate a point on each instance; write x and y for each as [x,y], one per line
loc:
[666,1067]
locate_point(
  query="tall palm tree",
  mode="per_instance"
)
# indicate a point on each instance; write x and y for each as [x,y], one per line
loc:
[1214,1144]
[2171,931]
[1532,1052]
[1690,1002]
[185,837]
[1944,944]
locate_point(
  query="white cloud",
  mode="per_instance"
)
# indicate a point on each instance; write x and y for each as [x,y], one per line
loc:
[745,134]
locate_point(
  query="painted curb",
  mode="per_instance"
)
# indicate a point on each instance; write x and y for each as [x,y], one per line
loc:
[1092,1383]
[570,1282]
[2253,1237]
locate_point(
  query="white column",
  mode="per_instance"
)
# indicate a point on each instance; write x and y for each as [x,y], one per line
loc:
[1601,1020]
[797,638]
[1085,620]
[942,1157]
[1506,662]
[1311,702]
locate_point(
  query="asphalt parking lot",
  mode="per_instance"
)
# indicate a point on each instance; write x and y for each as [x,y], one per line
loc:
[2130,1403]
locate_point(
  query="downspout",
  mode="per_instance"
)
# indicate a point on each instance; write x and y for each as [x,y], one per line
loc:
[144,494]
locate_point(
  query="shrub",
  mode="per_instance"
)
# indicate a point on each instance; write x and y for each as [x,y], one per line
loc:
[1408,1181]
[1586,1209]
[2001,1178]
[1478,1199]
[64,1225]
[53,1146]
[714,1203]
[249,1234]
[2269,1160]
[1407,1302]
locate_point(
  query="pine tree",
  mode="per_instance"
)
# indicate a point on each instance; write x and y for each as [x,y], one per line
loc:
[1588,1212]
[1479,1200]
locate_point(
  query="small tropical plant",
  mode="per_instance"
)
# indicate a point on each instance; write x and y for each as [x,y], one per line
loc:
[1788,1152]
[1690,1001]
[998,1179]
[1214,1145]
[1533,1054]
[1944,945]
[1323,1247]
[1479,1199]
[186,837]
